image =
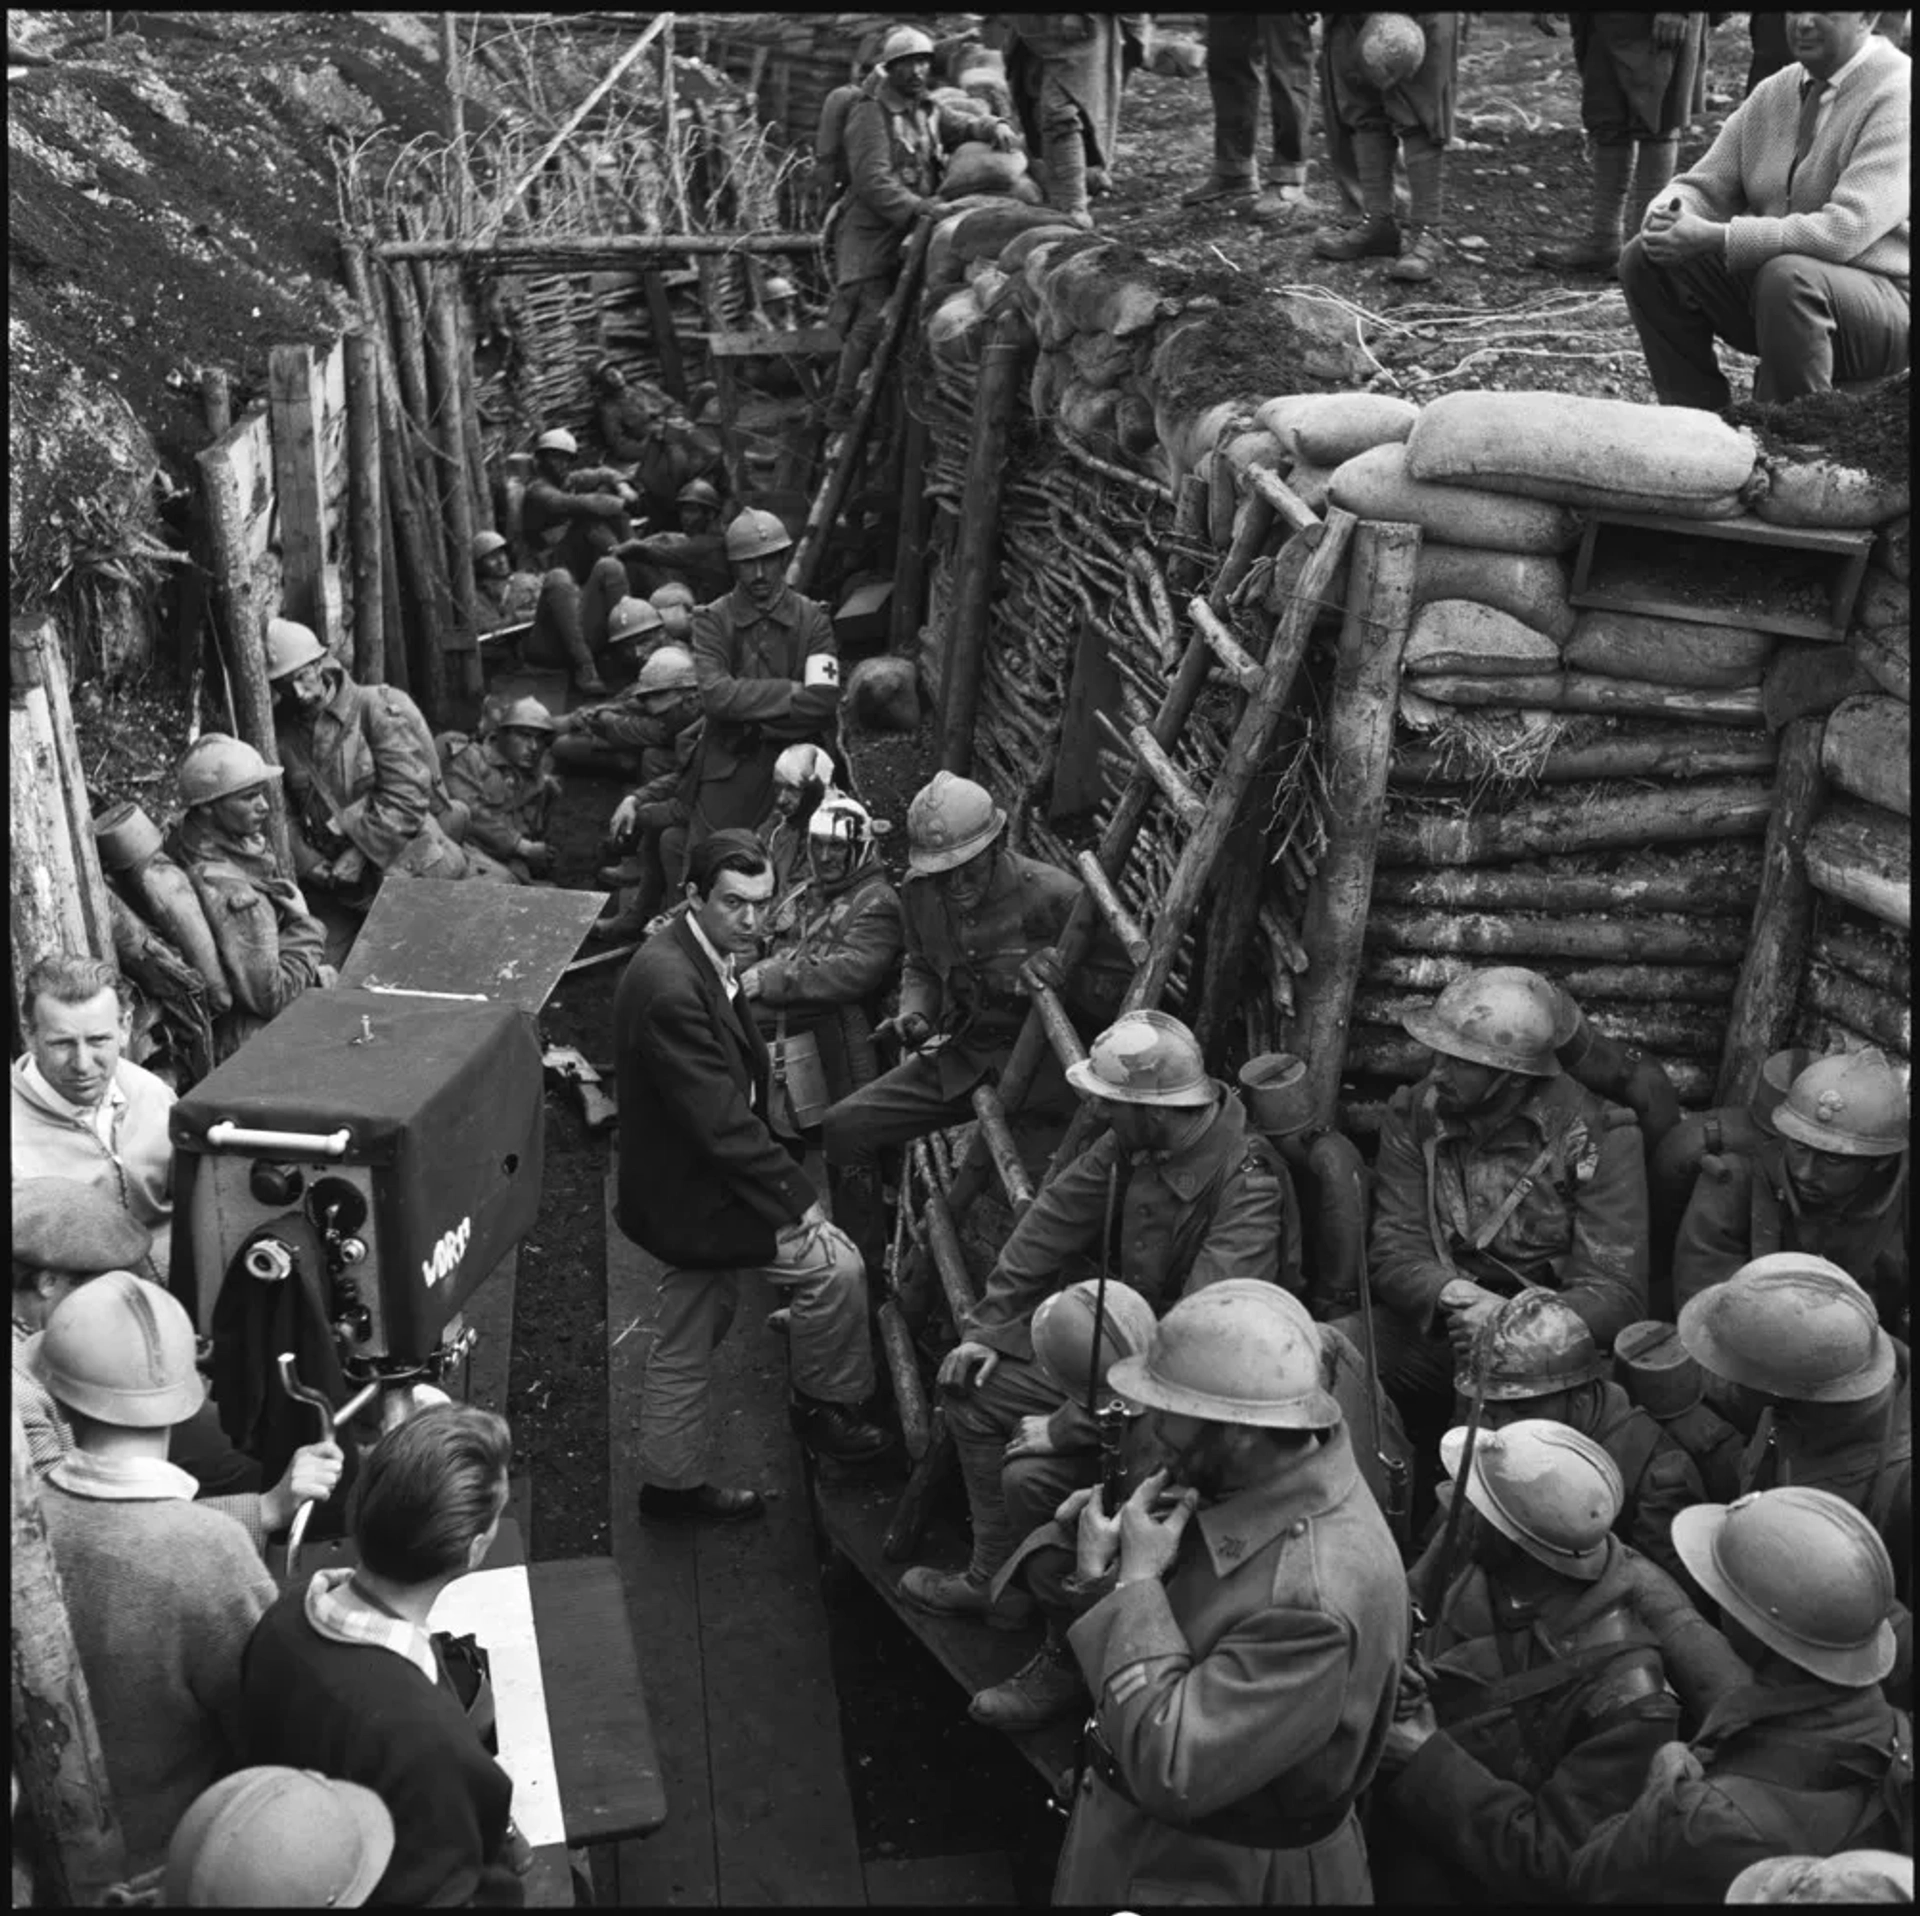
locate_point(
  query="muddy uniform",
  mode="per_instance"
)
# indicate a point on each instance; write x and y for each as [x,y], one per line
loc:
[271,946]
[751,666]
[1550,1196]
[1630,87]
[962,975]
[1798,1769]
[1743,1207]
[1066,71]
[696,560]
[363,770]
[1531,1770]
[568,621]
[1221,1208]
[504,804]
[1420,108]
[1241,1703]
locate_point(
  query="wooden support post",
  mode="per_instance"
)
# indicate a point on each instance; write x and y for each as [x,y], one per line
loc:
[1223,501]
[976,562]
[1056,1029]
[998,1136]
[59,901]
[910,553]
[1173,783]
[296,405]
[479,485]
[1120,921]
[1247,746]
[1093,689]
[366,509]
[59,1765]
[443,359]
[1189,527]
[406,542]
[833,490]
[245,626]
[666,341]
[1287,504]
[216,401]
[1366,687]
[1232,916]
[1252,530]
[1241,666]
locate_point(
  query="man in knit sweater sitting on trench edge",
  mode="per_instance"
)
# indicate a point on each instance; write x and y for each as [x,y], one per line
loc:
[1791,237]
[162,1593]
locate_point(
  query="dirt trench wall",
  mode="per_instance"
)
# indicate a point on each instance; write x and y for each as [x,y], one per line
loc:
[1580,806]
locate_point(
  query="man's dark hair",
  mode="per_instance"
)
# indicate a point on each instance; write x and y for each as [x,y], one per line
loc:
[729,851]
[72,978]
[427,1490]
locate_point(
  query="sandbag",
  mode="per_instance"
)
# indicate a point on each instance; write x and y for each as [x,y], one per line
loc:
[1092,291]
[1376,485]
[1822,492]
[1246,450]
[977,168]
[988,283]
[944,260]
[1580,451]
[1884,600]
[1327,429]
[1867,750]
[1310,484]
[1531,586]
[1014,254]
[1462,635]
[1099,359]
[1805,679]
[1628,645]
[1086,413]
[1051,372]
[1188,438]
[1893,549]
[986,231]
[1885,658]
[1133,421]
[954,332]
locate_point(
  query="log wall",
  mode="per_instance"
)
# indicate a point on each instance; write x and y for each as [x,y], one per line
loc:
[1603,826]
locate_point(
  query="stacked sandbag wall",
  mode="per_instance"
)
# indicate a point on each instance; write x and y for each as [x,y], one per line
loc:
[1858,987]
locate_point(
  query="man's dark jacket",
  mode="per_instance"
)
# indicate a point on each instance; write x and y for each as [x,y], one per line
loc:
[703,1182]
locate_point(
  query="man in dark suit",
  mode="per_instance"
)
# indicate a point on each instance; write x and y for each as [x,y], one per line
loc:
[707,1188]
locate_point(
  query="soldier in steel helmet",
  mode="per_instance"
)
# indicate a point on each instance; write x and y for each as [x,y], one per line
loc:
[1831,1181]
[693,555]
[573,516]
[1243,1627]
[833,941]
[161,1592]
[503,781]
[980,920]
[1807,1757]
[560,622]
[769,671]
[1794,1358]
[1190,1195]
[365,794]
[1539,1361]
[271,946]
[896,139]
[1547,1693]
[608,739]
[1496,1172]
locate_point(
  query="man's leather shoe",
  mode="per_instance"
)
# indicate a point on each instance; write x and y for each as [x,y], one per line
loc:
[837,1431]
[709,1503]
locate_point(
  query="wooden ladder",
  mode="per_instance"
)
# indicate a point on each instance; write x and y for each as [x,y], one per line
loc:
[1305,569]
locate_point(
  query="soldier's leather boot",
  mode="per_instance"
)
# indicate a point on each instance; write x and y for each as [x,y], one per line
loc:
[836,1431]
[1375,237]
[1045,1688]
[957,1593]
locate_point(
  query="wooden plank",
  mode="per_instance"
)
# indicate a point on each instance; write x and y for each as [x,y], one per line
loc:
[854,1516]
[603,1731]
[678,1865]
[1745,530]
[296,404]
[762,342]
[980,1881]
[1093,687]
[782,1810]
